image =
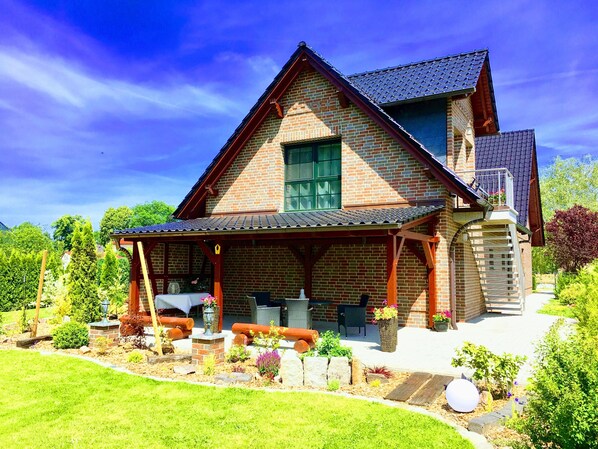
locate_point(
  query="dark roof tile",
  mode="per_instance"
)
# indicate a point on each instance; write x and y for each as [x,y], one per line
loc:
[435,77]
[290,220]
[513,150]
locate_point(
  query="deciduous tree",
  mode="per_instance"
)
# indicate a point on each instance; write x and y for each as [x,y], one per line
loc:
[64,228]
[573,237]
[112,220]
[155,212]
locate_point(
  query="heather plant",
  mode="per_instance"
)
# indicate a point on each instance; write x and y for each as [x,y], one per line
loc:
[268,364]
[494,372]
[70,335]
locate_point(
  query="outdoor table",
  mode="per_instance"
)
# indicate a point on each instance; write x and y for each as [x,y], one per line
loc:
[181,301]
[320,303]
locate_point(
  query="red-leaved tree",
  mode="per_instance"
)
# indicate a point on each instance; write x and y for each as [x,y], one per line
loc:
[573,237]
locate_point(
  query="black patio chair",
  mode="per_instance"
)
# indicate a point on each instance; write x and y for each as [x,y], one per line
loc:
[353,315]
[263,299]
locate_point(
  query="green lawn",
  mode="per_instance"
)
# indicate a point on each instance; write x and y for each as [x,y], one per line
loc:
[554,307]
[53,401]
[15,315]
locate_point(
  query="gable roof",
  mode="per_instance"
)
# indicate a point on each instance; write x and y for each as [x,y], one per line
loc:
[306,58]
[515,150]
[330,219]
[3,227]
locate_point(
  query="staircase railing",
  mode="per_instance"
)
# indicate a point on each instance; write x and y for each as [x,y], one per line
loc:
[493,184]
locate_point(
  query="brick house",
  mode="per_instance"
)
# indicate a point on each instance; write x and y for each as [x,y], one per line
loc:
[361,184]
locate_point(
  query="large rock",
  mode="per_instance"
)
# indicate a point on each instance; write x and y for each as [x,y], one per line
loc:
[291,370]
[314,371]
[339,369]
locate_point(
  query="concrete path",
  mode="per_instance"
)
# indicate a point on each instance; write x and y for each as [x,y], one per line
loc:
[429,351]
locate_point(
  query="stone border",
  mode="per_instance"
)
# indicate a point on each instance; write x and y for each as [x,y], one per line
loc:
[478,440]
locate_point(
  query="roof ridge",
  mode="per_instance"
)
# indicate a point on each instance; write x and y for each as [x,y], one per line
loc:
[415,63]
[502,133]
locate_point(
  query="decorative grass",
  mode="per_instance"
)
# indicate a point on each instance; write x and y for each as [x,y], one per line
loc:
[53,401]
[554,307]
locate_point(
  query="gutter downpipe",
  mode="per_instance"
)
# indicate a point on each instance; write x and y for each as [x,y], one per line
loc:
[486,206]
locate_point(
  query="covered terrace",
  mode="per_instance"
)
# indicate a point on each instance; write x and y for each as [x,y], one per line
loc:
[334,255]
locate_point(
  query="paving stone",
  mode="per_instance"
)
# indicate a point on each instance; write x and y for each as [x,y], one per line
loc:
[339,369]
[241,377]
[314,371]
[223,379]
[184,369]
[291,371]
[370,377]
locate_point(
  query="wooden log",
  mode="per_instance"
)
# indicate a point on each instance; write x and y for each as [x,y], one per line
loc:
[242,340]
[176,333]
[289,333]
[28,342]
[166,321]
[301,346]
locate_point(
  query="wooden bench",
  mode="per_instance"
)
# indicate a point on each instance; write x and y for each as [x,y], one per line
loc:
[304,338]
[179,328]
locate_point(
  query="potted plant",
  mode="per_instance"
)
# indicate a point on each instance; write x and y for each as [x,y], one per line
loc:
[210,315]
[387,318]
[442,320]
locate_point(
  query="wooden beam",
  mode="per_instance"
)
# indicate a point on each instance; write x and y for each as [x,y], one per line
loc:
[320,253]
[432,290]
[343,101]
[212,191]
[218,272]
[411,246]
[277,108]
[391,270]
[134,283]
[417,236]
[207,251]
[150,299]
[297,253]
[427,246]
[419,221]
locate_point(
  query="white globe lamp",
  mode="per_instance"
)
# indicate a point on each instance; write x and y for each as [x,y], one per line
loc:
[462,395]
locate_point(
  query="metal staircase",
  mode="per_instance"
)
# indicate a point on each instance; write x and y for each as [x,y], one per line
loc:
[498,257]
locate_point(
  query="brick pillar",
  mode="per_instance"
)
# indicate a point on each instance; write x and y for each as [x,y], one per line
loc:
[205,345]
[103,329]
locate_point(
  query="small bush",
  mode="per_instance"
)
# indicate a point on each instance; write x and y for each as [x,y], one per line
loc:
[495,372]
[268,364]
[329,345]
[102,344]
[238,369]
[135,357]
[562,410]
[375,383]
[269,341]
[334,385]
[209,365]
[238,353]
[135,331]
[562,281]
[70,336]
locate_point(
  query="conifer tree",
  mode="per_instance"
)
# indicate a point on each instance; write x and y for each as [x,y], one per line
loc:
[109,276]
[82,284]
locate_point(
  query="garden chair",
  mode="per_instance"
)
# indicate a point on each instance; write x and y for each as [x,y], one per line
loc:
[262,298]
[263,314]
[298,313]
[353,315]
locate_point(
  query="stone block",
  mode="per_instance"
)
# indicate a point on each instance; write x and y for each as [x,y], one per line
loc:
[314,371]
[339,369]
[291,370]
[373,376]
[184,369]
[241,377]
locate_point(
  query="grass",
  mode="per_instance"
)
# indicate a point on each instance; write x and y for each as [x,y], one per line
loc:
[15,315]
[554,307]
[53,401]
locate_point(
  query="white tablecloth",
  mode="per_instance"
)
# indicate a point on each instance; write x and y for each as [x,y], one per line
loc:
[182,301]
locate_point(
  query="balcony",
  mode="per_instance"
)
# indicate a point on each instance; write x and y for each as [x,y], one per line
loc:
[495,185]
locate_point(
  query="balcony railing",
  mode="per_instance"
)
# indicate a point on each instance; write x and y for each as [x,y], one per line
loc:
[492,184]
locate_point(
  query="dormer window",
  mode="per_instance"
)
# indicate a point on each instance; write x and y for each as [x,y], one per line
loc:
[313,176]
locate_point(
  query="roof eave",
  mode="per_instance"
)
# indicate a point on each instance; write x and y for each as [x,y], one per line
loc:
[455,93]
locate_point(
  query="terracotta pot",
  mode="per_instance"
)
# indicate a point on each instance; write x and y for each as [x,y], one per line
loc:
[441,326]
[388,334]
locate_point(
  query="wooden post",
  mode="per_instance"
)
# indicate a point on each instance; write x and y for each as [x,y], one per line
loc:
[218,283]
[40,287]
[432,292]
[391,270]
[150,298]
[134,280]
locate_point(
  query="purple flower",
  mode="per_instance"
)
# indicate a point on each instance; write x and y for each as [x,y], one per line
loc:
[509,394]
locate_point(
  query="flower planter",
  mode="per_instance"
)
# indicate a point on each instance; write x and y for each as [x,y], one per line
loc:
[214,318]
[441,326]
[388,334]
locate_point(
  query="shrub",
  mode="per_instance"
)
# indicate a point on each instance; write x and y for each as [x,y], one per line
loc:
[586,309]
[102,344]
[495,372]
[238,369]
[562,410]
[238,353]
[268,364]
[329,345]
[209,365]
[135,331]
[270,341]
[384,371]
[70,335]
[334,385]
[135,357]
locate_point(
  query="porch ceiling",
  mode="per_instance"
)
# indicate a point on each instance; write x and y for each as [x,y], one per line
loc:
[355,219]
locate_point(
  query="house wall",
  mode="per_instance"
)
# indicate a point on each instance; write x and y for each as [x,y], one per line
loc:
[375,169]
[460,145]
[526,260]
[469,298]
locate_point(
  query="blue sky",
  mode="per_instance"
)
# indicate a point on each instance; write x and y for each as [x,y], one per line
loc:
[108,103]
